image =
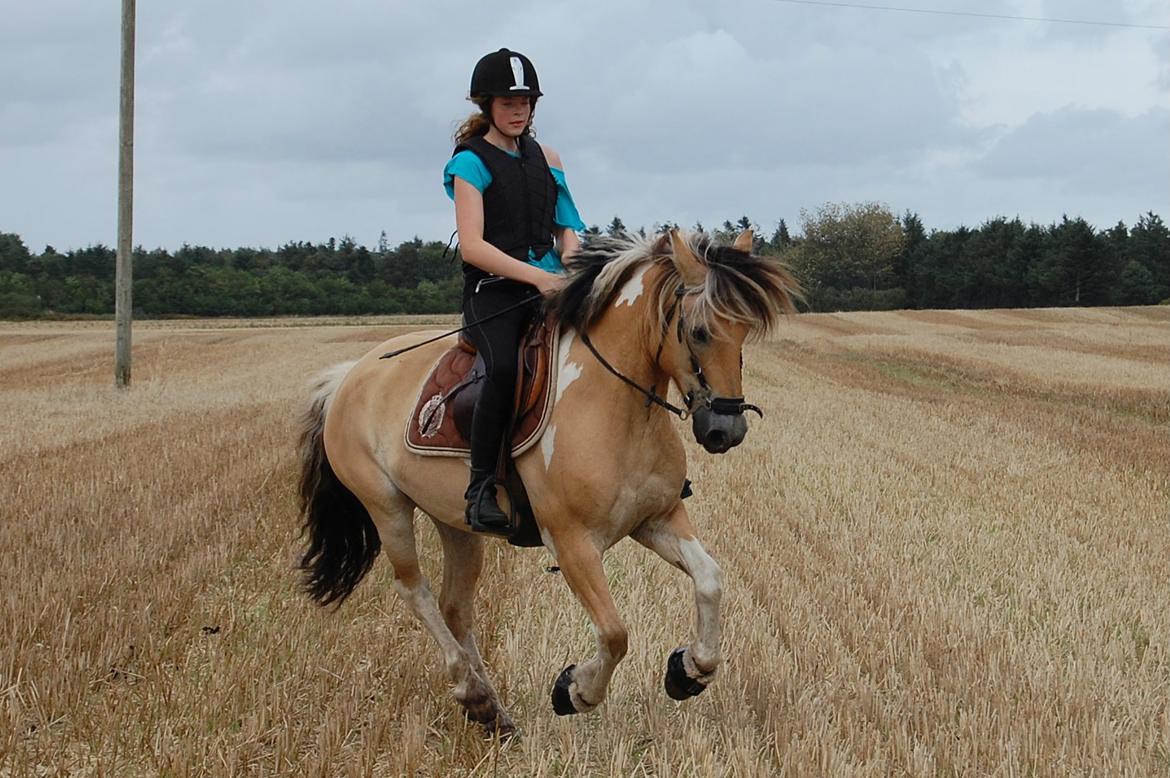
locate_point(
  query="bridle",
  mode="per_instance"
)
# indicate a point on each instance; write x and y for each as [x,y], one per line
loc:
[705,397]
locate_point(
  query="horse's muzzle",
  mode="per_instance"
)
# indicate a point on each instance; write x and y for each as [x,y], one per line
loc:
[718,432]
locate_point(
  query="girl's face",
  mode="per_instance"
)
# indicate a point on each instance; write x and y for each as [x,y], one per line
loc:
[511,114]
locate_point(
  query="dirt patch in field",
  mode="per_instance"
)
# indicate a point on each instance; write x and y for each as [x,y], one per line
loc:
[872,373]
[936,377]
[1154,354]
[80,362]
[25,339]
[1088,316]
[973,320]
[361,336]
[377,334]
[1114,433]
[1039,315]
[1151,313]
[840,324]
[155,354]
[1119,427]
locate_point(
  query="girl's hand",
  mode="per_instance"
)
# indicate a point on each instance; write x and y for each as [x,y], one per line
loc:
[549,283]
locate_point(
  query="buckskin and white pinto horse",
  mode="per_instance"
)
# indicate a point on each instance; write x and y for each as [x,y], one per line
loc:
[676,308]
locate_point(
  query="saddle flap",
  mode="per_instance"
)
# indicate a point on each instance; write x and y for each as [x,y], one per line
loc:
[535,361]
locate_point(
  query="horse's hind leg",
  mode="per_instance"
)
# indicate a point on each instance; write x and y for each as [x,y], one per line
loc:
[691,668]
[396,530]
[462,564]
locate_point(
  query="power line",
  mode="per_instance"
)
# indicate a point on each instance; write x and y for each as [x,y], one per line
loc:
[975,14]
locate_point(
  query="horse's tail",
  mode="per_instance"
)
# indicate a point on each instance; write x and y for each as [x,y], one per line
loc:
[343,541]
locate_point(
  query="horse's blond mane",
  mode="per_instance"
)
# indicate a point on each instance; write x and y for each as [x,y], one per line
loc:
[739,287]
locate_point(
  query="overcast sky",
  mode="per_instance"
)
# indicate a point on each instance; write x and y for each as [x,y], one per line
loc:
[263,122]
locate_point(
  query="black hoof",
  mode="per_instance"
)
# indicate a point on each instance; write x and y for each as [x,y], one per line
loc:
[561,701]
[502,728]
[678,685]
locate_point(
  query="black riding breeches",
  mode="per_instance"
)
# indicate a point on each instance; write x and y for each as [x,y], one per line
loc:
[498,340]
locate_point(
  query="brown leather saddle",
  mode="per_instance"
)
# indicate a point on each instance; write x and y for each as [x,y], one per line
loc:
[440,424]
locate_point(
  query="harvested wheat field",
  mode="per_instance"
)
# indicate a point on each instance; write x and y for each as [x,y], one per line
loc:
[945,547]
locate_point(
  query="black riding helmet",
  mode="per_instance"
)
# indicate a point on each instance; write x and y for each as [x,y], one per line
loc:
[504,73]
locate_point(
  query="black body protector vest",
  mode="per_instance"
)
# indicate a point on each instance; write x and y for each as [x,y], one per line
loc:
[518,205]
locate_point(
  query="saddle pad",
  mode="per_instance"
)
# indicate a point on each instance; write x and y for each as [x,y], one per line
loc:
[439,425]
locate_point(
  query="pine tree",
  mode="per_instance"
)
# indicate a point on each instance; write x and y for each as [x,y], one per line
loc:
[902,267]
[1150,245]
[780,238]
[1071,271]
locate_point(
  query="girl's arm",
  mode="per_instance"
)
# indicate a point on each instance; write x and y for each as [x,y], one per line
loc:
[567,243]
[485,256]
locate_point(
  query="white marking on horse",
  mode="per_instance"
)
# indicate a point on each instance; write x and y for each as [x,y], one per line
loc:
[633,288]
[708,578]
[547,442]
[546,538]
[567,372]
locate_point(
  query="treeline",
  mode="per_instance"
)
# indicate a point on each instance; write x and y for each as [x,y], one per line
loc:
[334,277]
[863,257]
[847,257]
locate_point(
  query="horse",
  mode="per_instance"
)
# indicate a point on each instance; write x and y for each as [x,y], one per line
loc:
[636,314]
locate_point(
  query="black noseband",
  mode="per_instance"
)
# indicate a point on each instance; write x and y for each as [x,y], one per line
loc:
[732,406]
[724,406]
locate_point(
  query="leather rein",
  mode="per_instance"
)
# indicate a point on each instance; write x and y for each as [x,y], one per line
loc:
[723,406]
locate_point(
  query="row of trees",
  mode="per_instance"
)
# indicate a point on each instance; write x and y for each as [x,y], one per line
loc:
[848,257]
[335,277]
[865,257]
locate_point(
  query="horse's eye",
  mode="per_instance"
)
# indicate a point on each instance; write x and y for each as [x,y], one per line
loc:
[701,335]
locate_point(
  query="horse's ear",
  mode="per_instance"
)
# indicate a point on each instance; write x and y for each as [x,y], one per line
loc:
[661,245]
[689,267]
[743,242]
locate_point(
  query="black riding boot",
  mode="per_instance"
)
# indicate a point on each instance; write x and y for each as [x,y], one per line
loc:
[483,513]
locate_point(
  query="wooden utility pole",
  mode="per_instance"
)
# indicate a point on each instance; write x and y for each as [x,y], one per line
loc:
[124,275]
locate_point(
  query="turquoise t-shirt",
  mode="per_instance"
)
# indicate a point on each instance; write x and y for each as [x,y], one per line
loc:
[468,166]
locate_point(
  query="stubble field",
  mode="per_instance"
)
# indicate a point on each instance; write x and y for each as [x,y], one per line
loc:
[945,547]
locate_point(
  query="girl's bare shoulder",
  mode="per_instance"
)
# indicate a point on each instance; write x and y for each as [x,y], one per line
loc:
[551,156]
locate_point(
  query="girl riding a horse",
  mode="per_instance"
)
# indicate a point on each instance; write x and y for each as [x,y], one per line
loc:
[516,220]
[638,318]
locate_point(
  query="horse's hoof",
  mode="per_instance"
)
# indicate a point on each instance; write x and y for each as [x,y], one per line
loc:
[679,686]
[502,727]
[482,710]
[561,701]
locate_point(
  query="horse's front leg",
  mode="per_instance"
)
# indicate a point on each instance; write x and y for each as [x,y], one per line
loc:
[690,668]
[581,688]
